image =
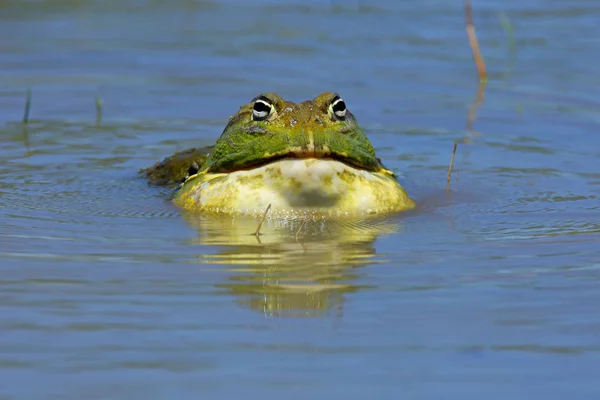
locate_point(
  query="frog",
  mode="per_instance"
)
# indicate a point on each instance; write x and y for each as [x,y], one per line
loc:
[295,159]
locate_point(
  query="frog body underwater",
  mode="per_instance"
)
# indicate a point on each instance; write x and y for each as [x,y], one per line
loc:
[305,158]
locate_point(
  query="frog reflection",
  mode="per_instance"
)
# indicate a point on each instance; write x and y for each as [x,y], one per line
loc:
[289,273]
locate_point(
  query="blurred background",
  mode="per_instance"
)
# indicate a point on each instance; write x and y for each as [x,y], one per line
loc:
[108,291]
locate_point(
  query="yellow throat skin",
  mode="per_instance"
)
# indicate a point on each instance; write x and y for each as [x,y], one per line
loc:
[296,187]
[310,158]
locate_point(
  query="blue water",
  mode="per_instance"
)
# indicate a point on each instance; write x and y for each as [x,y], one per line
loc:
[488,291]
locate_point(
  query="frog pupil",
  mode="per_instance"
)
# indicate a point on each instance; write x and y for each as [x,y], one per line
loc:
[261,109]
[339,108]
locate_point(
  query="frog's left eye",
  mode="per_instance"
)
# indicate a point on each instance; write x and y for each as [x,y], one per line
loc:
[262,109]
[338,107]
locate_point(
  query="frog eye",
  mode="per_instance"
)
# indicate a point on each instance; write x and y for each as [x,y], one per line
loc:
[338,107]
[262,109]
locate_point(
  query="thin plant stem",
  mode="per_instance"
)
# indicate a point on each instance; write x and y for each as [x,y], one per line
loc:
[257,233]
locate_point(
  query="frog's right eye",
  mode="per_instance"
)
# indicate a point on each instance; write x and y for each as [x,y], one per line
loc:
[262,109]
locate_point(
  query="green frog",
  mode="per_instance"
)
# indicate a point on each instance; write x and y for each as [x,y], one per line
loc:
[307,158]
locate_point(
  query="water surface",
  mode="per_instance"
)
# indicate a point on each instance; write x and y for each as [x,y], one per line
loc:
[109,291]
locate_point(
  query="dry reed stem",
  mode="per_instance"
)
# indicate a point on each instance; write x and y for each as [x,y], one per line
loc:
[472,115]
[470,27]
[27,107]
[300,228]
[257,233]
[450,167]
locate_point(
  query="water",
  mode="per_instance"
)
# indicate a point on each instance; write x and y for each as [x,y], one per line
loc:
[491,290]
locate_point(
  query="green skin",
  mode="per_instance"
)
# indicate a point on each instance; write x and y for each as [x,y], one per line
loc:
[175,169]
[311,129]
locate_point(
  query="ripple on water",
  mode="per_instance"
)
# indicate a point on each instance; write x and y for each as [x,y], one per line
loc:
[295,267]
[106,288]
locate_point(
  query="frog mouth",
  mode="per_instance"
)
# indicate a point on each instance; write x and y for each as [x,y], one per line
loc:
[308,155]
